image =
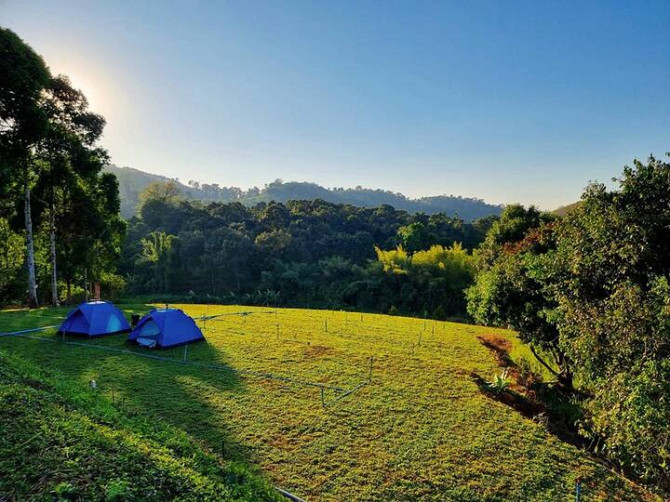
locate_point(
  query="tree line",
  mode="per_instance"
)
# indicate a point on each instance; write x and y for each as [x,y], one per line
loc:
[59,213]
[590,294]
[133,181]
[301,253]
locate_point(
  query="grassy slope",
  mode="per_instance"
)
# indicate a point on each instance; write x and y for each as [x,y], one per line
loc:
[421,429]
[59,441]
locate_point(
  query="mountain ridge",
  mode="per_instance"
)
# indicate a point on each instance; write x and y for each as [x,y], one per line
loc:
[132,181]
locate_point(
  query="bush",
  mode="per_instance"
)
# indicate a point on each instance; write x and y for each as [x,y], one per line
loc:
[112,286]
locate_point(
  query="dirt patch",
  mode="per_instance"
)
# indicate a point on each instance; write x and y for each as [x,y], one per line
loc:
[496,342]
[525,393]
[501,348]
[518,395]
[317,350]
[515,396]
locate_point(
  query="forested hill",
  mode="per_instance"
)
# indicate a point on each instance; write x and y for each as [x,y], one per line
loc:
[133,181]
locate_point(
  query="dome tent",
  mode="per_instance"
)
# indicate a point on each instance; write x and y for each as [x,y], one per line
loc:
[164,328]
[95,319]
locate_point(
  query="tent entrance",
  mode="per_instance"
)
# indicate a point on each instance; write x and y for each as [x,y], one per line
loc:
[148,335]
[77,324]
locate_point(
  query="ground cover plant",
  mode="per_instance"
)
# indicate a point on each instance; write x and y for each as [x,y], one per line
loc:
[418,425]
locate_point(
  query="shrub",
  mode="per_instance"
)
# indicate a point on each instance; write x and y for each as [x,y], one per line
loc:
[500,383]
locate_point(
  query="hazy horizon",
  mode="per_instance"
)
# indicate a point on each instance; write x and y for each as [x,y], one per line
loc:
[523,103]
[185,181]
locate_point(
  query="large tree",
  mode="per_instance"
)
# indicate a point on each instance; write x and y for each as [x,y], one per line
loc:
[67,153]
[51,169]
[508,293]
[23,124]
[609,279]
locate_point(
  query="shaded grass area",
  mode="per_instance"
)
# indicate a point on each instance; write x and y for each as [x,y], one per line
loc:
[60,441]
[421,429]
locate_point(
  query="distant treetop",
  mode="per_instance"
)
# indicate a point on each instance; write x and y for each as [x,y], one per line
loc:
[132,182]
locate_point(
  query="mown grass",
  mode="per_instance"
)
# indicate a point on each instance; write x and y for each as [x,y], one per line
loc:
[421,429]
[61,441]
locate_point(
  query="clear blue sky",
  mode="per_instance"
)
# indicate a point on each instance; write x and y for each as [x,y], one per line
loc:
[507,101]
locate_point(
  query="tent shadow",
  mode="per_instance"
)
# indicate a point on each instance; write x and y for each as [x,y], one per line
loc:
[184,395]
[181,391]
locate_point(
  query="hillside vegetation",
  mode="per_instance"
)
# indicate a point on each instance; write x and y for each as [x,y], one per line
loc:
[419,425]
[300,254]
[564,210]
[133,181]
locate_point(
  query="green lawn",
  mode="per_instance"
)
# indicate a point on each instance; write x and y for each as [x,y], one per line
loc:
[421,429]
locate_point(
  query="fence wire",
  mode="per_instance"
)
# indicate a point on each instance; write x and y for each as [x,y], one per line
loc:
[212,366]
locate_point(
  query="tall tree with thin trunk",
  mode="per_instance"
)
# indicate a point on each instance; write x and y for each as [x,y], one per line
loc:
[23,123]
[68,153]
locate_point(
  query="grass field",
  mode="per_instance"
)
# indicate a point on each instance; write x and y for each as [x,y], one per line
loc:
[60,442]
[420,428]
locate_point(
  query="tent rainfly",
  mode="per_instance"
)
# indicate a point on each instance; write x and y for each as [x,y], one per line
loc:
[164,328]
[95,319]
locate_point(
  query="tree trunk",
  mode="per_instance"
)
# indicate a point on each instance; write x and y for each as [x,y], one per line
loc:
[86,284]
[543,362]
[563,375]
[30,251]
[69,290]
[54,273]
[565,380]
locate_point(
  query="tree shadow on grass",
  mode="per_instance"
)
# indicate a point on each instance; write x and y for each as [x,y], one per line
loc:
[186,396]
[544,403]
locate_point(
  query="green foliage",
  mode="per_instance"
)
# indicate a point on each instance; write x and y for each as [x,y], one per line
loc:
[507,292]
[112,286]
[396,261]
[500,383]
[415,237]
[591,290]
[429,281]
[11,262]
[609,275]
[117,490]
[306,253]
[439,313]
[23,77]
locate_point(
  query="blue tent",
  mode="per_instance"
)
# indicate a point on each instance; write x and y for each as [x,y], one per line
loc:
[95,319]
[163,328]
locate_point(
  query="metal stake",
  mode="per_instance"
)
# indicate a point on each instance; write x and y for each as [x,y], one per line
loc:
[578,489]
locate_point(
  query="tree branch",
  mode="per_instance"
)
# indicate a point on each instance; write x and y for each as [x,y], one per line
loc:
[543,362]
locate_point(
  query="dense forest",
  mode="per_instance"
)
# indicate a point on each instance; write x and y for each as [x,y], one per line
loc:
[133,181]
[302,253]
